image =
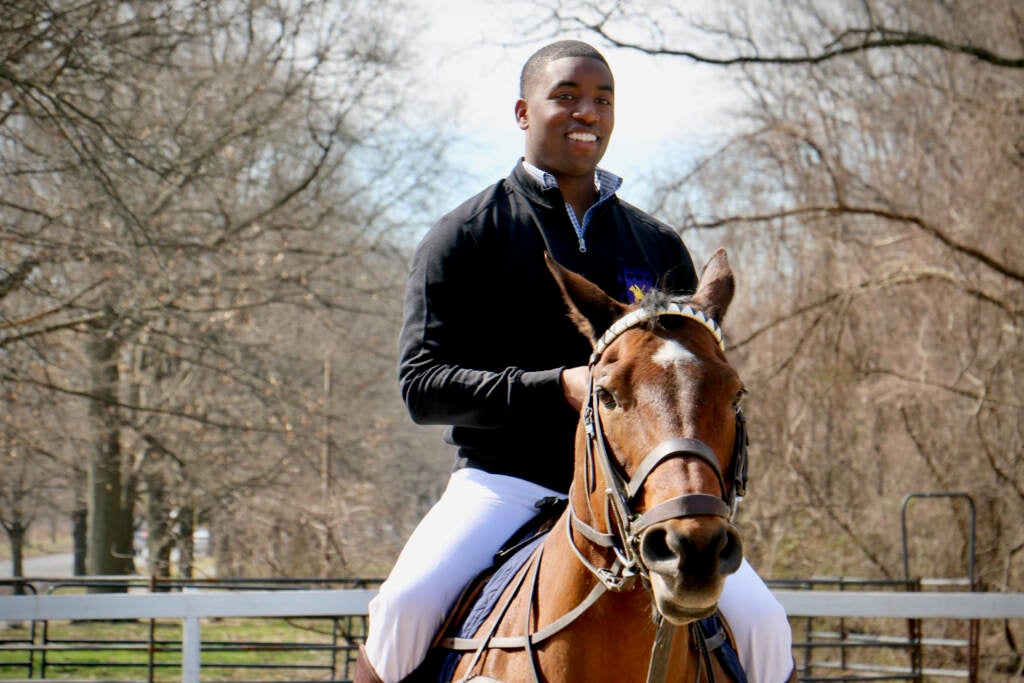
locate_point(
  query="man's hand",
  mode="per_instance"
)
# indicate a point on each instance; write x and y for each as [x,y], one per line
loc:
[574,386]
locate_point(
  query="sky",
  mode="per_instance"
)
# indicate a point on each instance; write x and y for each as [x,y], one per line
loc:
[471,53]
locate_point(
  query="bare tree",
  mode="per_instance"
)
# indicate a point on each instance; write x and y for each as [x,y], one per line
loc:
[734,35]
[200,200]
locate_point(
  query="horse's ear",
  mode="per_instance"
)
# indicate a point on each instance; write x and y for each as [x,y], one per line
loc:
[716,286]
[590,308]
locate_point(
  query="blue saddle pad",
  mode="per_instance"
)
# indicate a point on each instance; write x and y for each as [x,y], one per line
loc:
[485,603]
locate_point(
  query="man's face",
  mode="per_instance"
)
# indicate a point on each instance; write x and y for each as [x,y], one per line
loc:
[568,114]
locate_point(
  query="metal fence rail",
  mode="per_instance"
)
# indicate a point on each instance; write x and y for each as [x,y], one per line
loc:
[190,607]
[853,632]
[194,604]
[145,648]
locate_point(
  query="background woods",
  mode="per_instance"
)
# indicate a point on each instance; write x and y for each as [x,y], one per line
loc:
[206,212]
[202,206]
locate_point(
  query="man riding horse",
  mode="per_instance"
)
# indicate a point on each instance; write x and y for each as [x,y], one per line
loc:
[487,349]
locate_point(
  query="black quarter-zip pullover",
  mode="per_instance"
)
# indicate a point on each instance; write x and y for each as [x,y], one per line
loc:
[486,333]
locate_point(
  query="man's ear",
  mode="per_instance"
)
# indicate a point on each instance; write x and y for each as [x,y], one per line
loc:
[522,114]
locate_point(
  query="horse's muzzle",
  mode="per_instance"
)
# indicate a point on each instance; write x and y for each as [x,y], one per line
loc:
[692,555]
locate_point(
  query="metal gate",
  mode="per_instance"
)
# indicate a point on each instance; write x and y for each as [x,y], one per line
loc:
[858,649]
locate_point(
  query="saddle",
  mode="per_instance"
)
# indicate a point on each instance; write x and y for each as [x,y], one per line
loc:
[479,598]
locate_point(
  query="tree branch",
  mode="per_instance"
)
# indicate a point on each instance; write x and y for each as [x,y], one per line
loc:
[888,214]
[14,279]
[864,39]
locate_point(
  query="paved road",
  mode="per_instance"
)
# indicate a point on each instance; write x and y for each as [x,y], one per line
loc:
[45,566]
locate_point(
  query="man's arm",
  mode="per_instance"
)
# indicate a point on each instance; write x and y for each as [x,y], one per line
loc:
[441,322]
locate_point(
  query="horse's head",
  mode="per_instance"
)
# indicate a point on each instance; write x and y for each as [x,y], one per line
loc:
[654,479]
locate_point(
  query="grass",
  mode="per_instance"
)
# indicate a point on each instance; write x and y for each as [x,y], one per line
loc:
[284,649]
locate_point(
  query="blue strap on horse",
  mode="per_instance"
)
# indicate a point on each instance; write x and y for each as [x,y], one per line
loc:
[717,640]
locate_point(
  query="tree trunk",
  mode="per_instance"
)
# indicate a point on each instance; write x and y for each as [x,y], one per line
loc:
[186,543]
[126,527]
[79,535]
[159,541]
[107,554]
[16,538]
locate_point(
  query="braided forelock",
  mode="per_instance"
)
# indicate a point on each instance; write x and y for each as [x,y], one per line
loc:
[549,53]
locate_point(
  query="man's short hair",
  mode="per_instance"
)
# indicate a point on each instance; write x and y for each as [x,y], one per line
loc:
[549,53]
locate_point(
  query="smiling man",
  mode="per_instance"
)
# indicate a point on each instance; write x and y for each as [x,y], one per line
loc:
[487,348]
[567,109]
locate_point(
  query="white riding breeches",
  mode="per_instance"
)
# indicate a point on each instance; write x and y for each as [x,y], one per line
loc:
[457,540]
[759,625]
[454,542]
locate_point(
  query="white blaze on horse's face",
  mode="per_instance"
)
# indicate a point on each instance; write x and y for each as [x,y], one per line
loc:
[673,352]
[671,356]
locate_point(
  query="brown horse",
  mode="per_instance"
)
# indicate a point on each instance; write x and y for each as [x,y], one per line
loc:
[646,542]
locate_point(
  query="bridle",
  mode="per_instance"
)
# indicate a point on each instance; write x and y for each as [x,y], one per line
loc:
[627,526]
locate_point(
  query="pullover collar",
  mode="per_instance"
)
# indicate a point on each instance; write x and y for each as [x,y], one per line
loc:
[605,182]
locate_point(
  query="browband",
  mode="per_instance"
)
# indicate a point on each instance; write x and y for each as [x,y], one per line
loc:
[642,315]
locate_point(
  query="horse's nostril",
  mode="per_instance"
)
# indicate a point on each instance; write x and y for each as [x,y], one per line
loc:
[654,547]
[731,553]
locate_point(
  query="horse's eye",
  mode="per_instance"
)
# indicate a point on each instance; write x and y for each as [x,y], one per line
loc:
[737,400]
[605,397]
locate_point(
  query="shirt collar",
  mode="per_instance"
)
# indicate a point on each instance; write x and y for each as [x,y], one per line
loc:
[605,182]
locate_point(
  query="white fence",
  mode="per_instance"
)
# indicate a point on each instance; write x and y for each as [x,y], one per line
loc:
[902,605]
[192,605]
